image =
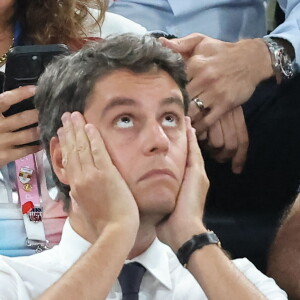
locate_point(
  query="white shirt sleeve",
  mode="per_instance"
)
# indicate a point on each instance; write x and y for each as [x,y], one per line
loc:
[266,285]
[11,286]
[290,28]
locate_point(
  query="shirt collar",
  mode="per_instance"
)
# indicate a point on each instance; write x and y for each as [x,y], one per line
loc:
[156,260]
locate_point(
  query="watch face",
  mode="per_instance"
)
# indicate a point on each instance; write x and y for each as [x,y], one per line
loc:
[281,61]
[287,68]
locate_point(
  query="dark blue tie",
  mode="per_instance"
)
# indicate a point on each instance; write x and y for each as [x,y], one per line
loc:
[130,280]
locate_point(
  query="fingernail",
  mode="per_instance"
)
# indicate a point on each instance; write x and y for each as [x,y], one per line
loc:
[59,132]
[65,117]
[75,115]
[32,89]
[237,169]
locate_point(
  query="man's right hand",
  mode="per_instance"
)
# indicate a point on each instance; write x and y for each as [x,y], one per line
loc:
[100,196]
[10,139]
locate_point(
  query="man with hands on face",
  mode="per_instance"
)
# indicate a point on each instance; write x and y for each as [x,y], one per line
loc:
[127,159]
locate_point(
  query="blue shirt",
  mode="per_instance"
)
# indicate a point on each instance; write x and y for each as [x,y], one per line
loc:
[228,20]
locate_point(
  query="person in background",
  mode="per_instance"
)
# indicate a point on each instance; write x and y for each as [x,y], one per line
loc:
[254,169]
[127,160]
[283,260]
[24,22]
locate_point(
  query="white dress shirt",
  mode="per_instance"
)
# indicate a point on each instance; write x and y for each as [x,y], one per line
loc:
[27,277]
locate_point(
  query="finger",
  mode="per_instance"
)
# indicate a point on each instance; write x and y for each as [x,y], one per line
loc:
[82,141]
[215,137]
[230,138]
[16,153]
[203,136]
[213,114]
[100,155]
[11,139]
[194,112]
[194,152]
[240,157]
[185,44]
[18,121]
[68,145]
[195,69]
[14,96]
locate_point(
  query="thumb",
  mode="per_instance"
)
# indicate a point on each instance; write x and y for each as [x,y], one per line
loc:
[183,45]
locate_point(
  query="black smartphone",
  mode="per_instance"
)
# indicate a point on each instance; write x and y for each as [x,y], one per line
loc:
[24,66]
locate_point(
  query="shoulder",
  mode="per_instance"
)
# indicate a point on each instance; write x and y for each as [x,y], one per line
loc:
[113,24]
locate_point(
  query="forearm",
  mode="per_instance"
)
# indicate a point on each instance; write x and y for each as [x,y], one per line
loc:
[219,277]
[215,273]
[93,274]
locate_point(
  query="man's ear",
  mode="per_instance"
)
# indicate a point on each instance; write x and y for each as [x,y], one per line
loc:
[56,160]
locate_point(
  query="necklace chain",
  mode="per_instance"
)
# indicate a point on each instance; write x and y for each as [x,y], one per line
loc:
[3,58]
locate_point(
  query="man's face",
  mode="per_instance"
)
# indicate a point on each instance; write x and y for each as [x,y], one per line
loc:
[141,119]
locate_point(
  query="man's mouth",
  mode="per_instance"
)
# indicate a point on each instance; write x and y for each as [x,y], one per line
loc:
[159,173]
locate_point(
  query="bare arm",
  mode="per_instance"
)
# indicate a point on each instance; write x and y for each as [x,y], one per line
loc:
[283,261]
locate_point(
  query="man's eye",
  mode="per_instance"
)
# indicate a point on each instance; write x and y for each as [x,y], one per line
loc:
[169,120]
[124,122]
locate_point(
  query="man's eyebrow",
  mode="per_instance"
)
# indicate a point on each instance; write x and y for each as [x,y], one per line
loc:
[123,101]
[119,101]
[175,100]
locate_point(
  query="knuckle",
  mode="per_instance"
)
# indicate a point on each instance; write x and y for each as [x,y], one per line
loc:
[95,152]
[26,117]
[3,125]
[81,148]
[244,144]
[232,146]
[4,101]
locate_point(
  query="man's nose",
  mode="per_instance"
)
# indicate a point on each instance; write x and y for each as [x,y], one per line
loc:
[155,139]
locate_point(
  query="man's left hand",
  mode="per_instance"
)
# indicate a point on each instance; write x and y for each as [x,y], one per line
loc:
[186,219]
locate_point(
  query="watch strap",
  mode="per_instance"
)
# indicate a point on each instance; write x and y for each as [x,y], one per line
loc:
[195,243]
[281,62]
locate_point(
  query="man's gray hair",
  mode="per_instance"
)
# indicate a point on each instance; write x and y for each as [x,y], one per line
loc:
[67,82]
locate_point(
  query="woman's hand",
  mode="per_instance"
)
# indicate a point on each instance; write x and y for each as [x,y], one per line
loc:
[10,138]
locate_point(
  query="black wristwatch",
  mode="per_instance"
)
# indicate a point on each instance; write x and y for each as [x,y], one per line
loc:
[197,242]
[282,63]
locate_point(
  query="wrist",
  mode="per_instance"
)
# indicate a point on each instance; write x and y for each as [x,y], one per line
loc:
[185,234]
[259,63]
[197,242]
[282,55]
